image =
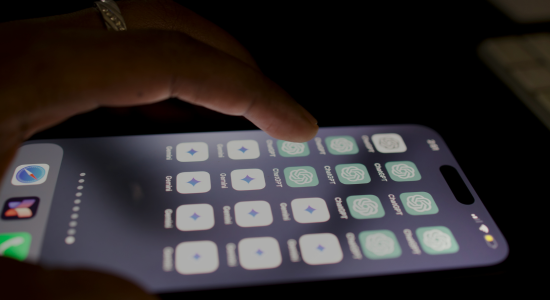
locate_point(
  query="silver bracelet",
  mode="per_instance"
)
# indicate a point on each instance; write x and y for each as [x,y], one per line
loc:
[111,15]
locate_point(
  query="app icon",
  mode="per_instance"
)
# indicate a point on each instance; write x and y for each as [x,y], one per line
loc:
[15,245]
[193,182]
[352,173]
[20,208]
[290,149]
[341,145]
[244,149]
[198,257]
[191,217]
[389,143]
[437,240]
[365,207]
[197,151]
[259,253]
[320,249]
[301,176]
[403,171]
[310,210]
[419,203]
[30,174]
[253,213]
[379,244]
[247,179]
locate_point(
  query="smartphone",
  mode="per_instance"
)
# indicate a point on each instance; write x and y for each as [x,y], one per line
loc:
[200,211]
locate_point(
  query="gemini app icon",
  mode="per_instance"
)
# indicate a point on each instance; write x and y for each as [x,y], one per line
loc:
[320,249]
[247,179]
[191,217]
[197,151]
[199,257]
[193,182]
[310,210]
[243,149]
[259,253]
[253,213]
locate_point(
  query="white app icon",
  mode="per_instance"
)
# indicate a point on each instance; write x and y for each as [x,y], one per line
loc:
[389,143]
[310,210]
[30,174]
[253,213]
[193,182]
[259,253]
[197,151]
[320,249]
[243,149]
[247,179]
[192,217]
[198,257]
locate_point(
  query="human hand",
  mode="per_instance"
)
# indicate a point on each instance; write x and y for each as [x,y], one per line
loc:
[57,67]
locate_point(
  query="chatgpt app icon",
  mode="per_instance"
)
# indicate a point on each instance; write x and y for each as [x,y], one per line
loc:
[341,145]
[379,244]
[301,176]
[437,240]
[290,149]
[365,207]
[403,171]
[389,143]
[419,203]
[352,173]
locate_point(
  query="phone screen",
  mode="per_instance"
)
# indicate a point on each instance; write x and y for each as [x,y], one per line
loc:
[179,212]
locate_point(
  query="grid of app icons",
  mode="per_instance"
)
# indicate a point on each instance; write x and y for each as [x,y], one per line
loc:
[257,253]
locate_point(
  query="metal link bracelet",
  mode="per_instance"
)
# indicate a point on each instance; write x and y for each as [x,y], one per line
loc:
[111,15]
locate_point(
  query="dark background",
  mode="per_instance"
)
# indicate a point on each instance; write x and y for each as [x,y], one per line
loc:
[384,62]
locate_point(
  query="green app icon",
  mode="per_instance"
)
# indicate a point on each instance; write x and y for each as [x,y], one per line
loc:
[419,203]
[379,244]
[290,149]
[352,174]
[437,240]
[365,207]
[301,176]
[403,171]
[15,245]
[341,145]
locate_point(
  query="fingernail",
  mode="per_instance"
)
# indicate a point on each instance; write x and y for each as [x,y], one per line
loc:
[309,117]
